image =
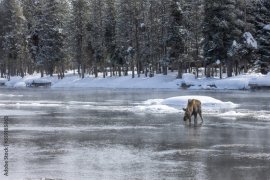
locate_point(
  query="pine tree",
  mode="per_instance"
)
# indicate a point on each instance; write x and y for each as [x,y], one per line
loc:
[110,34]
[124,37]
[176,35]
[50,36]
[14,38]
[194,16]
[2,33]
[78,30]
[263,35]
[97,36]
[221,29]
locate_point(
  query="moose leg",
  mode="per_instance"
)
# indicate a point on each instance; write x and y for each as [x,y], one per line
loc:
[200,113]
[195,118]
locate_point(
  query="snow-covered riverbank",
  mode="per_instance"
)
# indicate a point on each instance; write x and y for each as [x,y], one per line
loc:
[159,82]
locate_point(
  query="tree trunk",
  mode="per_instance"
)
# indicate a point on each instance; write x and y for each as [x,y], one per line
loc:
[119,71]
[220,71]
[83,71]
[133,68]
[229,68]
[180,70]
[208,71]
[165,70]
[79,70]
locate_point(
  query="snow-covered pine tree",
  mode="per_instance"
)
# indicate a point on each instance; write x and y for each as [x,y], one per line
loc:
[79,30]
[98,35]
[124,28]
[164,16]
[222,26]
[153,41]
[2,33]
[50,34]
[263,35]
[193,12]
[176,36]
[110,24]
[14,39]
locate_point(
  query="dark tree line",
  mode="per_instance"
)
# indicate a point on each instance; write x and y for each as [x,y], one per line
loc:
[146,37]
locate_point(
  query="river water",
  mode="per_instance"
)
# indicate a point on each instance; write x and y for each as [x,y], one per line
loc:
[98,134]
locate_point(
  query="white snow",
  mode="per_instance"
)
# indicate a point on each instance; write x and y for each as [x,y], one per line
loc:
[250,40]
[207,102]
[13,112]
[233,114]
[261,80]
[175,104]
[188,77]
[11,95]
[3,80]
[159,81]
[156,109]
[267,27]
[239,82]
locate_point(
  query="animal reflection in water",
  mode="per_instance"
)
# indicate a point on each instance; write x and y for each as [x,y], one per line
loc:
[193,109]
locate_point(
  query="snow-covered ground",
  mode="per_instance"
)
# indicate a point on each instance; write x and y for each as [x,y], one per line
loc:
[159,81]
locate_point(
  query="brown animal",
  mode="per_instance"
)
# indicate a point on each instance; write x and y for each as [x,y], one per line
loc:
[193,108]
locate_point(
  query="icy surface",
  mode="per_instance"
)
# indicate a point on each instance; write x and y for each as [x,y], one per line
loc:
[104,134]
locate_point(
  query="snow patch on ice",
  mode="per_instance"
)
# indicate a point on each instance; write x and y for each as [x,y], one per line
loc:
[262,117]
[223,146]
[252,156]
[85,128]
[207,102]
[10,95]
[233,114]
[156,109]
[175,104]
[4,112]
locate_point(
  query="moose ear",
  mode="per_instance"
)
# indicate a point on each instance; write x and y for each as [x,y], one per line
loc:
[190,100]
[184,109]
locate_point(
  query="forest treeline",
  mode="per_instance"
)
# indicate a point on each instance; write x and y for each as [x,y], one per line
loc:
[114,37]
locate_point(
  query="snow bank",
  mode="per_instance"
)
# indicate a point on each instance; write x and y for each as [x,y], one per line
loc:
[19,82]
[261,80]
[240,82]
[3,80]
[157,82]
[188,77]
[232,83]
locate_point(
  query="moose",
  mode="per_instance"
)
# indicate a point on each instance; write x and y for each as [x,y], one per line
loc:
[193,108]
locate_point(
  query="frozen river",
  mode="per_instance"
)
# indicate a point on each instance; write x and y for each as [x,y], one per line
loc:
[102,134]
